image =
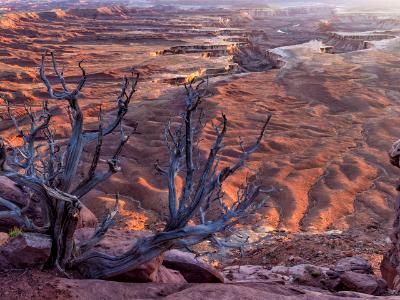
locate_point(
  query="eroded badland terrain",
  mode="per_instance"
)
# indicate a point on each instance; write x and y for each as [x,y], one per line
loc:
[330,78]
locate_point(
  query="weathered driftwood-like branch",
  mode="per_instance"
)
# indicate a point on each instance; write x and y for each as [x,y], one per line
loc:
[94,178]
[127,91]
[17,215]
[199,193]
[75,142]
[66,94]
[50,173]
[50,168]
[26,156]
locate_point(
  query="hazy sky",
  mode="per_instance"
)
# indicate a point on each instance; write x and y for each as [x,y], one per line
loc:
[346,2]
[373,3]
[376,4]
[361,5]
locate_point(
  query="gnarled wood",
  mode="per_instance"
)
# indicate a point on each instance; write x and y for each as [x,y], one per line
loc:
[50,170]
[197,195]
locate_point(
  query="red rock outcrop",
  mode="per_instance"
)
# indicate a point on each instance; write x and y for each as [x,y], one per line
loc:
[87,218]
[36,285]
[349,274]
[390,266]
[391,261]
[25,251]
[194,270]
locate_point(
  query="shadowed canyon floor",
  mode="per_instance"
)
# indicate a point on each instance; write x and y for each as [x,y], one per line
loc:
[335,106]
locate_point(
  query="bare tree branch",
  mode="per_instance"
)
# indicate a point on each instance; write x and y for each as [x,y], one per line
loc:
[101,230]
[123,101]
[96,178]
[17,215]
[65,94]
[198,194]
[48,169]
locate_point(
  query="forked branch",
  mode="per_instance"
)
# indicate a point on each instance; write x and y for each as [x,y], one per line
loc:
[201,193]
[48,167]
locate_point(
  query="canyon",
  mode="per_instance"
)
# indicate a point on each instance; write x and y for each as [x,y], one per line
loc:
[330,79]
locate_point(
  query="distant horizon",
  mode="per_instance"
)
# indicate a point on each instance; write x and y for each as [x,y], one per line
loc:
[363,5]
[371,6]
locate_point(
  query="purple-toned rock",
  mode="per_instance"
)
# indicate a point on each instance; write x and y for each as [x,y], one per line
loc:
[389,269]
[165,275]
[192,269]
[247,273]
[87,218]
[26,250]
[10,191]
[306,274]
[148,272]
[115,242]
[390,265]
[350,274]
[356,264]
[362,283]
[4,237]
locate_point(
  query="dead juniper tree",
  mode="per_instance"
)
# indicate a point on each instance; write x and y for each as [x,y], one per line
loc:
[47,167]
[201,191]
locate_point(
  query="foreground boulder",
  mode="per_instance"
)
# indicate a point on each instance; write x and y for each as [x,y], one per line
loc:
[14,193]
[4,237]
[356,264]
[147,272]
[252,273]
[362,283]
[87,218]
[306,274]
[10,191]
[356,274]
[192,269]
[25,251]
[353,274]
[390,266]
[152,271]
[389,270]
[165,275]
[116,242]
[32,284]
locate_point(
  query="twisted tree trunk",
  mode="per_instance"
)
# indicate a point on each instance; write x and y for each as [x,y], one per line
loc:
[50,175]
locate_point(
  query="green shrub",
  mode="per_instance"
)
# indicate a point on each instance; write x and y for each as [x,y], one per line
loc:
[15,232]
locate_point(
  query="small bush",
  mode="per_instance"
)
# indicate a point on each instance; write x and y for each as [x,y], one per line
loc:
[15,232]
